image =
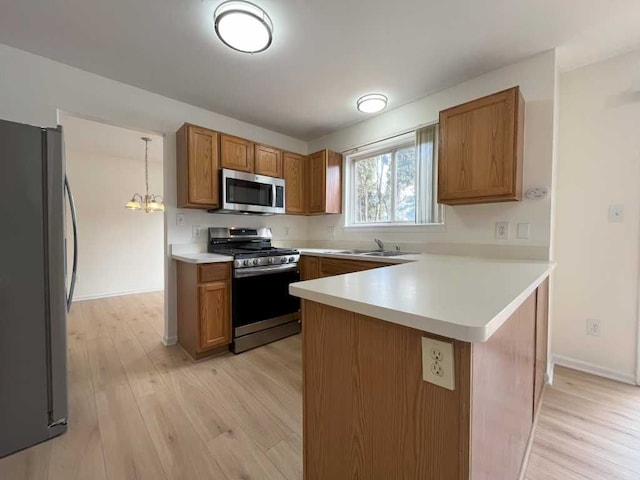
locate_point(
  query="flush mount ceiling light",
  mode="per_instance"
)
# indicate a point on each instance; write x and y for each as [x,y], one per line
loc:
[243,26]
[372,103]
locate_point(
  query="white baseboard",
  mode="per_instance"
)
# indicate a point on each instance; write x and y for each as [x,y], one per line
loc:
[167,341]
[592,369]
[115,294]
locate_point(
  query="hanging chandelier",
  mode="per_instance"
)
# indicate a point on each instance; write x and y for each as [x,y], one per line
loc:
[149,202]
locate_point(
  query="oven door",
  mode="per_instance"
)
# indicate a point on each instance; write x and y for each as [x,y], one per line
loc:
[261,299]
[247,192]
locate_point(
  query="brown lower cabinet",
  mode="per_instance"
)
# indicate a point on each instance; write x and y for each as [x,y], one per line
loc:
[317,267]
[204,308]
[368,413]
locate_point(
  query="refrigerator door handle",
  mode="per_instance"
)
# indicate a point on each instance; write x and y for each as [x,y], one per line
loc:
[74,222]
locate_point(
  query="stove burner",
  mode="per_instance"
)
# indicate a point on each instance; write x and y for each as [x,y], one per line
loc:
[250,247]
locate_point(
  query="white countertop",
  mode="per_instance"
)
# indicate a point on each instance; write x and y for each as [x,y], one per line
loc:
[457,297]
[201,257]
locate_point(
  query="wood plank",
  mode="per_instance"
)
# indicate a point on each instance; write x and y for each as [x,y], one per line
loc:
[240,458]
[181,451]
[127,446]
[287,457]
[194,398]
[106,369]
[241,406]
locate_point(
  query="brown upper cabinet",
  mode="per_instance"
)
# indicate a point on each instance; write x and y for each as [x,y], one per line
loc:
[267,161]
[481,149]
[313,184]
[198,164]
[236,153]
[324,182]
[294,170]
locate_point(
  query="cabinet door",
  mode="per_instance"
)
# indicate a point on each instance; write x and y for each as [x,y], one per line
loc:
[309,267]
[200,169]
[268,161]
[215,319]
[316,180]
[236,153]
[294,169]
[480,155]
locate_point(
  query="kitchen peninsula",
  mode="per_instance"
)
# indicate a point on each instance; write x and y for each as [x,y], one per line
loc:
[368,410]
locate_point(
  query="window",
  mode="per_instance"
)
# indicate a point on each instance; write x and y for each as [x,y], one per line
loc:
[393,183]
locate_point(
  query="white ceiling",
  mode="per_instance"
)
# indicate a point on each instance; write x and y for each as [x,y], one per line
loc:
[87,136]
[325,53]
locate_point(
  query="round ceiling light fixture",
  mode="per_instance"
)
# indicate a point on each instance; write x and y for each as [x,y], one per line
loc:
[243,26]
[372,103]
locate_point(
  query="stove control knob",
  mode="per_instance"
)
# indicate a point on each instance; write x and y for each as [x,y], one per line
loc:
[292,259]
[283,259]
[256,261]
[270,260]
[245,263]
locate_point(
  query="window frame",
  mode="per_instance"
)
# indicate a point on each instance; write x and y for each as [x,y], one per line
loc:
[385,146]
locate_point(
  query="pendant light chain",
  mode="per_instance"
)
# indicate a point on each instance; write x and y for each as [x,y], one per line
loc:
[146,170]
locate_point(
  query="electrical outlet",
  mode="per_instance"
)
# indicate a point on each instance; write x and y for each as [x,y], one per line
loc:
[195,232]
[180,219]
[437,363]
[593,327]
[285,231]
[502,230]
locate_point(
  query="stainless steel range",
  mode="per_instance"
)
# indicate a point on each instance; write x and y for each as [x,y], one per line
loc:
[262,309]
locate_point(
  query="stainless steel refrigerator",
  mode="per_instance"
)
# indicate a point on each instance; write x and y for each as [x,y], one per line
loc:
[34,300]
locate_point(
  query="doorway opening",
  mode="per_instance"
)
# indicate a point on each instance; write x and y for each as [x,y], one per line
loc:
[120,251]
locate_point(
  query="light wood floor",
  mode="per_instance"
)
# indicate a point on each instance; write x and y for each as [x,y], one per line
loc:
[589,428]
[142,410]
[139,410]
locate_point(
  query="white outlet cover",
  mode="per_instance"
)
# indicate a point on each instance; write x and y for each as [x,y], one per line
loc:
[180,219]
[431,350]
[502,230]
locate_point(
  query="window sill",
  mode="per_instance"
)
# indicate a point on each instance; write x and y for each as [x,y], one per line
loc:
[408,228]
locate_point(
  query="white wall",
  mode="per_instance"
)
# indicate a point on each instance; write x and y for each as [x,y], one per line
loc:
[474,224]
[120,251]
[33,89]
[599,165]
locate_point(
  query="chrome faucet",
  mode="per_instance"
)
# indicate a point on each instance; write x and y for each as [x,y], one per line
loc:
[379,243]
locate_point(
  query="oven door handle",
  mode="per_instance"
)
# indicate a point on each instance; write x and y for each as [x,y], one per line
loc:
[255,271]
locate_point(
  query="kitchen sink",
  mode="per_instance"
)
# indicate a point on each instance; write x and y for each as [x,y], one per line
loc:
[356,252]
[386,253]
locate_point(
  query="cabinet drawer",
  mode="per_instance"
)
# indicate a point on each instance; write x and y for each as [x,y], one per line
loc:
[331,266]
[214,272]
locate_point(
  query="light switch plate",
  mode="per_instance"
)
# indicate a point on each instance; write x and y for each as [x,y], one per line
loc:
[437,363]
[180,219]
[524,231]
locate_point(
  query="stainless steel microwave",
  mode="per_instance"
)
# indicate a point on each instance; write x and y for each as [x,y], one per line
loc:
[250,193]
